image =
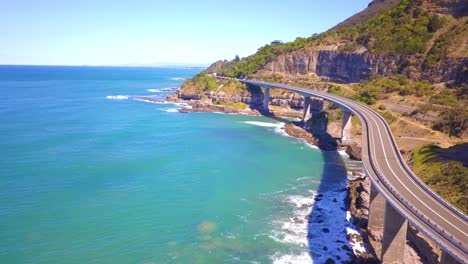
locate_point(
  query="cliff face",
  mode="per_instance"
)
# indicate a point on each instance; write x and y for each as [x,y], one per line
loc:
[456,8]
[252,98]
[352,67]
[422,39]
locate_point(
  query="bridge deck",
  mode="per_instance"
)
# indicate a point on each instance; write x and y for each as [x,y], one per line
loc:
[424,209]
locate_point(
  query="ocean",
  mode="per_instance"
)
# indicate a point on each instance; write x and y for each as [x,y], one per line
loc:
[91,172]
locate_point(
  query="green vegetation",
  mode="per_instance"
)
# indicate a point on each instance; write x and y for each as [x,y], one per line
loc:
[238,105]
[402,30]
[450,103]
[336,90]
[441,48]
[250,65]
[447,177]
[453,121]
[204,83]
[199,84]
[375,89]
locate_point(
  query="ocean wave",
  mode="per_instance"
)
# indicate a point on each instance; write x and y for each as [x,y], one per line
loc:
[292,259]
[264,124]
[327,225]
[343,153]
[161,90]
[168,89]
[178,79]
[293,230]
[154,90]
[312,146]
[279,129]
[171,110]
[146,100]
[117,97]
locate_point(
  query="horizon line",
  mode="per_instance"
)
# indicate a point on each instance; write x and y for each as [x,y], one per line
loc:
[122,66]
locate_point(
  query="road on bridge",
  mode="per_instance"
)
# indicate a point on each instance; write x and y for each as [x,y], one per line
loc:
[425,210]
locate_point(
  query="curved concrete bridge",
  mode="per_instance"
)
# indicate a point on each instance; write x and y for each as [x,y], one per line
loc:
[397,195]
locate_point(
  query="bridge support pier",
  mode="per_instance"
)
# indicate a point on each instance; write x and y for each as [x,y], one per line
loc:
[394,236]
[445,258]
[266,99]
[305,115]
[346,125]
[377,205]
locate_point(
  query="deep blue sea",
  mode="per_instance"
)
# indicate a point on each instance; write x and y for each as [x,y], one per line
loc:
[92,173]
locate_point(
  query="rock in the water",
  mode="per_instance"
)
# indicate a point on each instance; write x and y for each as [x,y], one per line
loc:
[354,152]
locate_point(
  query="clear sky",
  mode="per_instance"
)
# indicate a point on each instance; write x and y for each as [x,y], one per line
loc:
[156,32]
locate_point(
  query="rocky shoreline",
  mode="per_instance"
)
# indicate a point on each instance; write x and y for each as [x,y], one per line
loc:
[294,129]
[358,186]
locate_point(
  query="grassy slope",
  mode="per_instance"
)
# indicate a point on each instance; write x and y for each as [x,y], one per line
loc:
[444,172]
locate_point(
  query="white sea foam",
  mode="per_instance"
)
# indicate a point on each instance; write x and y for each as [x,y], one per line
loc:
[117,97]
[147,101]
[348,216]
[326,233]
[180,104]
[299,201]
[171,110]
[154,90]
[343,153]
[161,90]
[279,129]
[311,145]
[277,126]
[178,79]
[292,259]
[264,124]
[359,246]
[167,89]
[294,230]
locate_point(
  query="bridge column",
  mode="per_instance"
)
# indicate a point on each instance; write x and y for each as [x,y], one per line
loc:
[346,125]
[375,222]
[394,236]
[266,99]
[306,108]
[445,258]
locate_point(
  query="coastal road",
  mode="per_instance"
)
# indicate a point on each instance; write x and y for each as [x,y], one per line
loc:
[424,209]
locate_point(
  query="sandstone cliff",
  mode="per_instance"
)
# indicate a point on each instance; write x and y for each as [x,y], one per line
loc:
[351,67]
[422,39]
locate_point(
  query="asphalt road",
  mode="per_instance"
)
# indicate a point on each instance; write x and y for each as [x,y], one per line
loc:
[424,209]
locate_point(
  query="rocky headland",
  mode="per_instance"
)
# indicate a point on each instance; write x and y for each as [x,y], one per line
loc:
[412,70]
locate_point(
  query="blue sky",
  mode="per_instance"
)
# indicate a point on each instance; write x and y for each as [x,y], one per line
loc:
[156,32]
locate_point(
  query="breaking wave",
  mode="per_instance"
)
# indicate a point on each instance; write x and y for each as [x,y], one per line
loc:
[117,97]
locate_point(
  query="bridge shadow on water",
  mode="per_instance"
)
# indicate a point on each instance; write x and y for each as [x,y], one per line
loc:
[327,221]
[327,224]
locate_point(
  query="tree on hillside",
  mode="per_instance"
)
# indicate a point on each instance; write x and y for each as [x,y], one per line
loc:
[277,42]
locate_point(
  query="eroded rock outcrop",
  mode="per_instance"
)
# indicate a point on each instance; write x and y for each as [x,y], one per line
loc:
[350,67]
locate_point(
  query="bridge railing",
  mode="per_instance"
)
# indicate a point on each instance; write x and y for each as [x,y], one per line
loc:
[381,179]
[416,178]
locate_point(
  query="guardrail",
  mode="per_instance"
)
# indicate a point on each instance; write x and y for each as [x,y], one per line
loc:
[382,180]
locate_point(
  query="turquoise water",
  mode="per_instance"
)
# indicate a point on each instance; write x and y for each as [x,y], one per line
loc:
[89,175]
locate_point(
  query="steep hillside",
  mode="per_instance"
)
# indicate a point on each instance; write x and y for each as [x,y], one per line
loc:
[409,38]
[408,59]
[374,8]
